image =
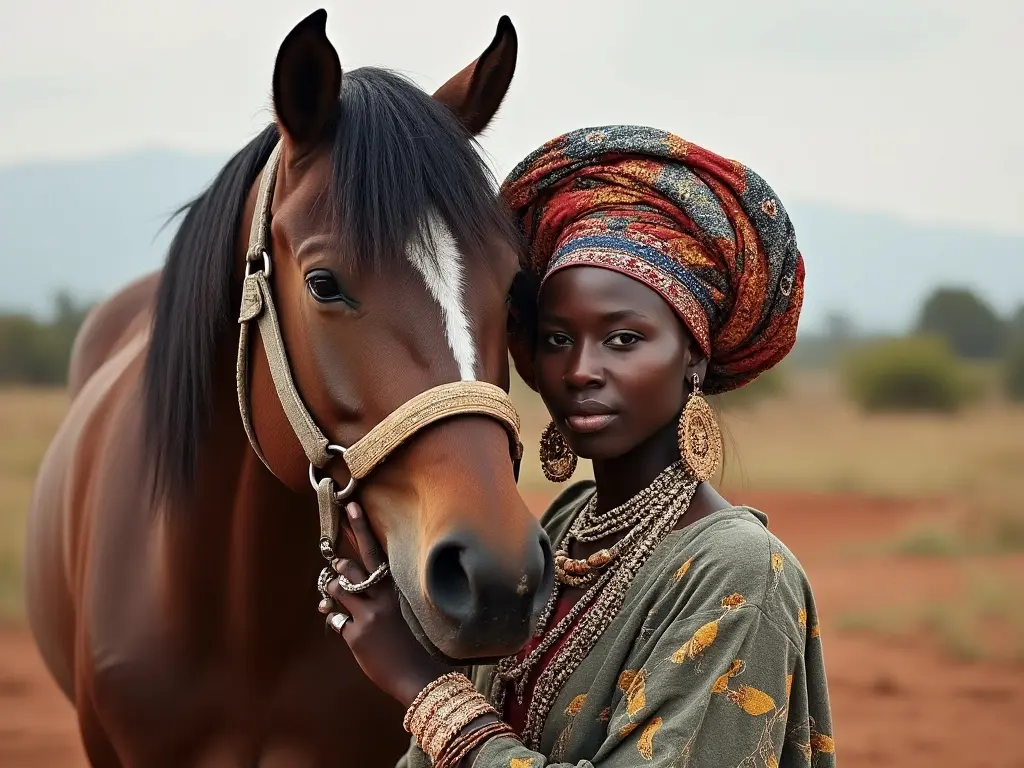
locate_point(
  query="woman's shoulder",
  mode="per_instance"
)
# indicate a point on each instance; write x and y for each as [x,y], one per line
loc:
[731,558]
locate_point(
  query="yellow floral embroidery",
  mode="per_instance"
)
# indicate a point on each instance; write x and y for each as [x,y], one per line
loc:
[735,600]
[520,762]
[576,705]
[627,729]
[751,700]
[815,631]
[626,679]
[636,695]
[645,745]
[801,618]
[777,562]
[789,686]
[722,683]
[696,645]
[682,570]
[821,742]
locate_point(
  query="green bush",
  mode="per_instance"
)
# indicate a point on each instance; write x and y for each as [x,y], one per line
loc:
[1014,370]
[35,351]
[912,374]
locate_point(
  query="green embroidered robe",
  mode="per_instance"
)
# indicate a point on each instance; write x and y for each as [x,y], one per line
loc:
[714,661]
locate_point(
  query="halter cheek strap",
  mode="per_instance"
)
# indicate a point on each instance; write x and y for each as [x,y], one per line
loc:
[440,402]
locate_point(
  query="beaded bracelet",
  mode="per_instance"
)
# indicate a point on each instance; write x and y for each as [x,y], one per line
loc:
[414,712]
[457,750]
[441,710]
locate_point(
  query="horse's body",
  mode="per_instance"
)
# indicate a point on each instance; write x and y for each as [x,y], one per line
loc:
[190,641]
[171,578]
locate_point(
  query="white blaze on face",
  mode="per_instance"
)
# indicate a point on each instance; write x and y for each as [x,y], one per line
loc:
[444,278]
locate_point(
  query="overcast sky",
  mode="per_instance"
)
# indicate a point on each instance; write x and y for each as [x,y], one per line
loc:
[909,107]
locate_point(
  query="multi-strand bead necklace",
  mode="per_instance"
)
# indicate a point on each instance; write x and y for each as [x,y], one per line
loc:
[649,517]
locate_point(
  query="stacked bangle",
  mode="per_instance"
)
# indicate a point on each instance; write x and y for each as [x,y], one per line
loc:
[454,753]
[439,713]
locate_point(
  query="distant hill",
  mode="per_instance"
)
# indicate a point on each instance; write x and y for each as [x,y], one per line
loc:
[90,226]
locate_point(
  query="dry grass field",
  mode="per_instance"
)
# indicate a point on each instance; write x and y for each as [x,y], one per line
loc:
[911,528]
[28,420]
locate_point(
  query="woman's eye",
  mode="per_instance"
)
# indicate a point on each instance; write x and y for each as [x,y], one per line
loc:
[558,340]
[623,339]
[323,286]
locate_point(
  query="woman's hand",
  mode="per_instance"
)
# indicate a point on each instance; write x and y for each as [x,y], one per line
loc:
[375,629]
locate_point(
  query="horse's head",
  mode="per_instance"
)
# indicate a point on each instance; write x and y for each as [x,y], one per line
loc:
[392,262]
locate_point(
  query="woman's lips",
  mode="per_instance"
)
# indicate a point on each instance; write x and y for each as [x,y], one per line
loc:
[589,423]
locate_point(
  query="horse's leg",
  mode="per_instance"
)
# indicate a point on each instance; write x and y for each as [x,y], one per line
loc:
[98,746]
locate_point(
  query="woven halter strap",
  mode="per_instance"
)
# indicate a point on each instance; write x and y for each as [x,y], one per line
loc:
[440,402]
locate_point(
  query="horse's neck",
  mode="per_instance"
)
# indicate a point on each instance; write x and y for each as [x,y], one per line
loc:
[247,557]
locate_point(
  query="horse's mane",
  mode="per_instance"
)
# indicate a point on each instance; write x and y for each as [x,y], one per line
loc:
[401,152]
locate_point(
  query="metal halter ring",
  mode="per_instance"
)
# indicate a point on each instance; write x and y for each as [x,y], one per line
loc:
[266,265]
[344,492]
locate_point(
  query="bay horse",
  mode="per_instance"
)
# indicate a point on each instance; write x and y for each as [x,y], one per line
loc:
[171,578]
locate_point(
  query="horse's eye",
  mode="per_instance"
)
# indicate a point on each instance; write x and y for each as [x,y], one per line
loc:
[323,286]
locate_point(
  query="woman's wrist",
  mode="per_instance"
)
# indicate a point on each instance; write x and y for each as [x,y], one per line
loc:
[449,720]
[413,683]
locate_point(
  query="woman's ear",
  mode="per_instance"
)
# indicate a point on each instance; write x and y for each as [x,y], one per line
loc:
[696,363]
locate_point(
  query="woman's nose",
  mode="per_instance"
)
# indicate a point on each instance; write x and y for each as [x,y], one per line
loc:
[584,370]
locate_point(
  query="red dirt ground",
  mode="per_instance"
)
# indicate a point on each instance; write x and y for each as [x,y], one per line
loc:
[895,703]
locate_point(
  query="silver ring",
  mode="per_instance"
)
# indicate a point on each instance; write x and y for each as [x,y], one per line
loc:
[344,492]
[369,581]
[337,621]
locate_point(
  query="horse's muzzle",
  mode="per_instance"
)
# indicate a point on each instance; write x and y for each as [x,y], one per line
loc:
[493,604]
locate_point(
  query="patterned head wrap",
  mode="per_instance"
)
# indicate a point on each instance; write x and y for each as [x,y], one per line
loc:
[706,233]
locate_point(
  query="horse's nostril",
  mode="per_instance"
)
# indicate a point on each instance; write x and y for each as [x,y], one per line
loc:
[469,585]
[448,584]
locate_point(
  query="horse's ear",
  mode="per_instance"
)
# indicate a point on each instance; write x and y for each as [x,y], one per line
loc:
[307,82]
[475,93]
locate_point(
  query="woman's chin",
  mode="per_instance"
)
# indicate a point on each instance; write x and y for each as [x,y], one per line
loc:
[595,447]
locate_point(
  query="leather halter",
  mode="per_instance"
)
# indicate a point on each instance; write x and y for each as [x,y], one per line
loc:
[440,402]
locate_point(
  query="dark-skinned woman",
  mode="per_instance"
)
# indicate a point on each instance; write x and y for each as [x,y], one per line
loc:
[681,631]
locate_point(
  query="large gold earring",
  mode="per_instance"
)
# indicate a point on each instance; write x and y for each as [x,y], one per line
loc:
[700,440]
[556,457]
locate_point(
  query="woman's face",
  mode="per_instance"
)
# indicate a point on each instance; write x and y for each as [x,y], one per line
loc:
[612,361]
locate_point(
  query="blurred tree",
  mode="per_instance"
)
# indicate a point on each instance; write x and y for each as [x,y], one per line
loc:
[1013,375]
[966,322]
[840,328]
[37,352]
[1016,324]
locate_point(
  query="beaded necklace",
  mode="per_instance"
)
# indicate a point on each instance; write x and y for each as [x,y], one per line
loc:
[650,515]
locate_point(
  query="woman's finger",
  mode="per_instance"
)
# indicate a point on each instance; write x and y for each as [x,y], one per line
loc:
[370,550]
[349,573]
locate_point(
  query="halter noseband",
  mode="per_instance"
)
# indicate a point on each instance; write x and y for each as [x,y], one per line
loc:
[440,402]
